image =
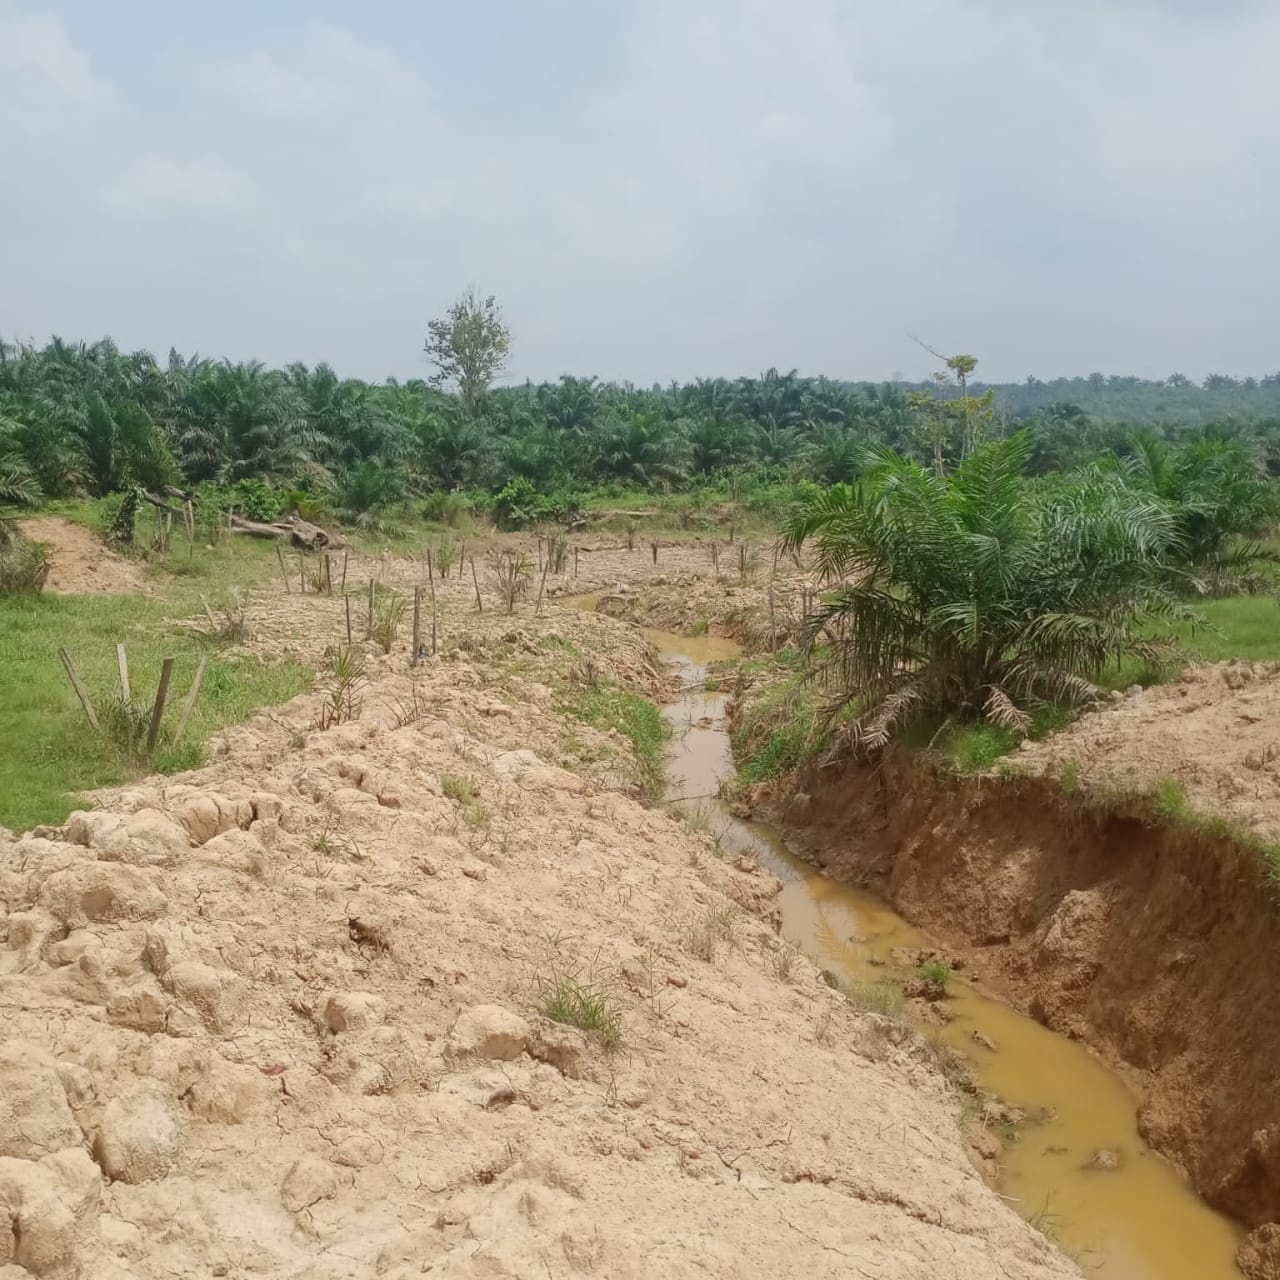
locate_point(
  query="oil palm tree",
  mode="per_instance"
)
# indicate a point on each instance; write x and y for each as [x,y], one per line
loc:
[970,595]
[644,449]
[1224,501]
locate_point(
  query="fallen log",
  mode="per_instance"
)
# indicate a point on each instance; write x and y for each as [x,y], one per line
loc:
[301,533]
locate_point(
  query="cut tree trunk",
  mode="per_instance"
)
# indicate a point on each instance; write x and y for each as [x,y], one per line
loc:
[301,533]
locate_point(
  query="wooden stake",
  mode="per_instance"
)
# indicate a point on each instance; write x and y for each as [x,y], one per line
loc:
[344,571]
[328,574]
[302,574]
[284,573]
[476,580]
[575,561]
[539,553]
[373,587]
[417,625]
[715,560]
[122,661]
[462,557]
[190,704]
[773,625]
[157,711]
[435,631]
[347,599]
[654,547]
[543,584]
[78,685]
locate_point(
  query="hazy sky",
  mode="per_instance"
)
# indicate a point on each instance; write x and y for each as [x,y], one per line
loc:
[654,189]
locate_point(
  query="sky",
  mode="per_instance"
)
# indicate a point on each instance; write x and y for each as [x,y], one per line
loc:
[653,189]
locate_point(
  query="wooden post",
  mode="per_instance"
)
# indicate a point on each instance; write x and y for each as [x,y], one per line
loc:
[543,583]
[715,560]
[122,661]
[462,557]
[775,559]
[344,571]
[373,588]
[575,560]
[302,573]
[347,599]
[435,630]
[731,535]
[654,547]
[284,573]
[539,553]
[162,696]
[78,685]
[190,704]
[742,561]
[773,624]
[417,625]
[476,580]
[328,574]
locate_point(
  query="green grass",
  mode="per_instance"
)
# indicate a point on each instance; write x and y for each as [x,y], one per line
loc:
[48,754]
[935,971]
[609,706]
[1246,627]
[575,1002]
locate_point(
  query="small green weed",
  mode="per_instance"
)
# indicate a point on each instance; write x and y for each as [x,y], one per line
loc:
[1069,777]
[460,788]
[581,1003]
[935,971]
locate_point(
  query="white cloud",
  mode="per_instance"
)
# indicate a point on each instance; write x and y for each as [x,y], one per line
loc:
[660,187]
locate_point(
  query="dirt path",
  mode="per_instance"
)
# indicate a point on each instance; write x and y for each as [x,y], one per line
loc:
[82,564]
[284,1016]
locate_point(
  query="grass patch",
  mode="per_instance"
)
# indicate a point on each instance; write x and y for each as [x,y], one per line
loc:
[1246,627]
[776,732]
[48,754]
[459,787]
[584,1004]
[935,971]
[609,706]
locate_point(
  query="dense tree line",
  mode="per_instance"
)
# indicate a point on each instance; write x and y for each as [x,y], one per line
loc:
[92,419]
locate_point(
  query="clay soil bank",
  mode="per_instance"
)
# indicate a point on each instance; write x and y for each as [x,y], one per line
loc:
[1155,945]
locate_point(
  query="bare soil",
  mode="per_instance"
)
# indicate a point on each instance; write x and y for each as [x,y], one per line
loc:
[80,562]
[283,1016]
[1215,730]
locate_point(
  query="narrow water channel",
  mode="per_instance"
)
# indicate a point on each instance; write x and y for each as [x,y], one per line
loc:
[1135,1222]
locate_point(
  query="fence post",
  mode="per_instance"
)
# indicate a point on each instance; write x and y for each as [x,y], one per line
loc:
[475,579]
[78,685]
[190,705]
[162,696]
[417,624]
[284,573]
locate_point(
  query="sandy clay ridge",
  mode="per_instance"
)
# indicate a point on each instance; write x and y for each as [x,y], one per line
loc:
[279,1017]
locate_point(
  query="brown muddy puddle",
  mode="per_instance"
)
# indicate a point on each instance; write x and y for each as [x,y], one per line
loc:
[1137,1222]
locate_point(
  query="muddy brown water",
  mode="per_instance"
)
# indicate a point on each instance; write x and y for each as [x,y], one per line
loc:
[1139,1221]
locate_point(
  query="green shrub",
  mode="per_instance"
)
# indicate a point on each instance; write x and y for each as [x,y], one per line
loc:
[24,565]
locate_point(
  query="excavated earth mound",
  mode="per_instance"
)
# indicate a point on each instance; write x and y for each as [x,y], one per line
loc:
[1215,729]
[284,1017]
[80,562]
